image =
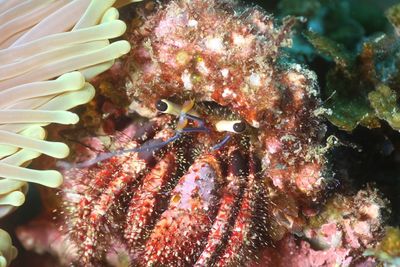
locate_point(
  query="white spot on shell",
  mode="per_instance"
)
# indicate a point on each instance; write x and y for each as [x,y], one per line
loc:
[201,66]
[73,197]
[193,23]
[238,39]
[187,80]
[255,124]
[255,80]
[225,73]
[215,44]
[228,93]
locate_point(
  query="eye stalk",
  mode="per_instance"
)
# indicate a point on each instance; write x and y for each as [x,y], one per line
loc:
[237,127]
[168,107]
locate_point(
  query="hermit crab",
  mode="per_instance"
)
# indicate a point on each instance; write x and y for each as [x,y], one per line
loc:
[229,157]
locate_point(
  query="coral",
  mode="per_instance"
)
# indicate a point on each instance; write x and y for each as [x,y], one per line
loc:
[351,222]
[42,236]
[388,250]
[337,236]
[346,22]
[393,14]
[384,102]
[290,252]
[355,83]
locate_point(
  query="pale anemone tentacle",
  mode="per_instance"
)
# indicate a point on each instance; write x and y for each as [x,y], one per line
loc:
[20,9]
[94,13]
[12,193]
[68,82]
[42,40]
[54,69]
[12,39]
[26,96]
[13,190]
[15,198]
[104,31]
[35,132]
[63,101]
[22,157]
[60,21]
[7,251]
[53,149]
[110,15]
[30,63]
[49,178]
[7,4]
[23,22]
[37,116]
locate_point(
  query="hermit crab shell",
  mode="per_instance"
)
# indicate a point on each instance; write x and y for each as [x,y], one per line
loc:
[217,51]
[212,51]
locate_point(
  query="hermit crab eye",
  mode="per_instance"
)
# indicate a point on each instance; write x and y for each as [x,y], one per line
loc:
[231,126]
[161,106]
[168,107]
[239,127]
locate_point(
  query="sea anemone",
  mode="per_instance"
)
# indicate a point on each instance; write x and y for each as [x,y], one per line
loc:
[7,251]
[48,49]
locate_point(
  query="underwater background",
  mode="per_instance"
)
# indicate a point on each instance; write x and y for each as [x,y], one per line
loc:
[353,46]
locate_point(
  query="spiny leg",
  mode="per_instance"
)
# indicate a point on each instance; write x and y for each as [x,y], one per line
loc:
[107,182]
[241,241]
[229,204]
[128,175]
[181,231]
[146,200]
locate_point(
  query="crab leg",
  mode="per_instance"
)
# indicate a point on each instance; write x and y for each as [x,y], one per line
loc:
[241,241]
[124,178]
[181,232]
[147,200]
[146,132]
[114,177]
[231,195]
[86,187]
[147,147]
[94,215]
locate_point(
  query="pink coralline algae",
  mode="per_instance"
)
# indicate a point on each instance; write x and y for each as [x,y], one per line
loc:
[228,157]
[338,236]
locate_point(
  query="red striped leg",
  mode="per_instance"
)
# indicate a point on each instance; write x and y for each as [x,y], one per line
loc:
[181,232]
[230,199]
